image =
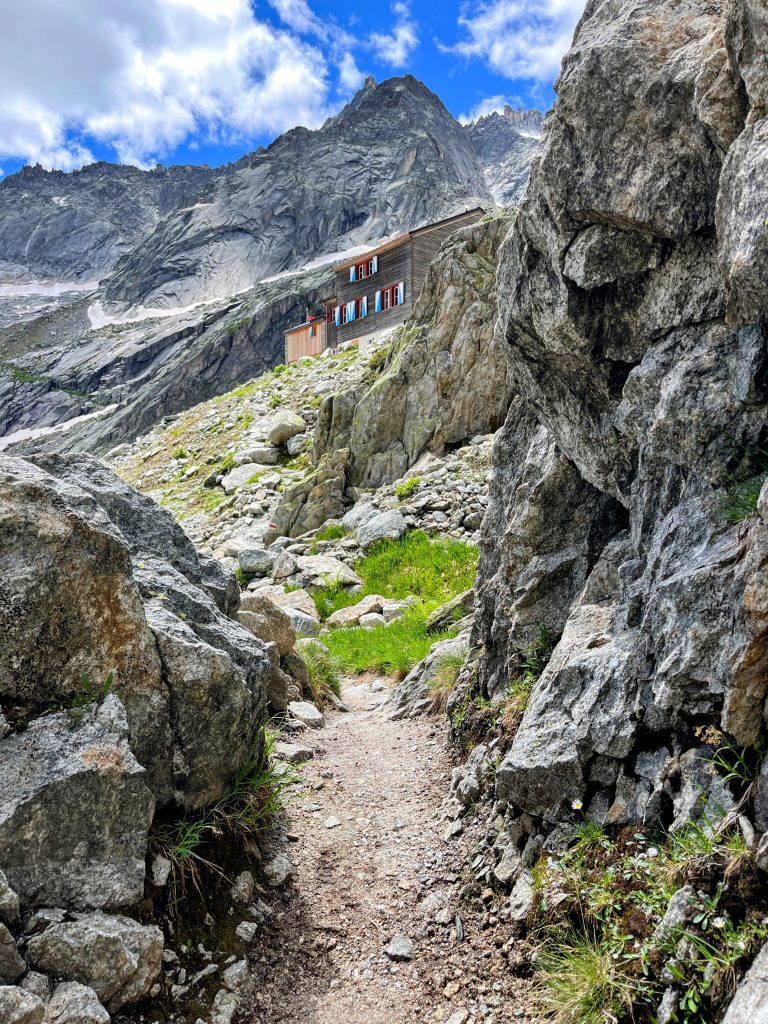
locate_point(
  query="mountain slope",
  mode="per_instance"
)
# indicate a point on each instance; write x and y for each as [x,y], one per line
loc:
[505,144]
[74,227]
[394,158]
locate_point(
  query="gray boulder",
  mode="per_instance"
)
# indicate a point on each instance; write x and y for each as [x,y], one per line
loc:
[255,562]
[309,503]
[90,543]
[385,526]
[255,454]
[117,957]
[72,1003]
[9,902]
[75,810]
[280,626]
[362,513]
[20,1007]
[241,476]
[281,426]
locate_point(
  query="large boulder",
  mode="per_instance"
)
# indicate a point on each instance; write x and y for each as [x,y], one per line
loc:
[102,585]
[75,810]
[750,1004]
[309,503]
[72,1003]
[20,1007]
[281,632]
[115,956]
[385,526]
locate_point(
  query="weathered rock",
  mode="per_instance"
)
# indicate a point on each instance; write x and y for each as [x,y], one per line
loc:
[413,696]
[352,615]
[400,948]
[284,565]
[362,513]
[20,1007]
[385,526]
[521,898]
[12,966]
[281,628]
[74,810]
[278,870]
[9,902]
[308,504]
[241,476]
[322,570]
[307,714]
[255,562]
[72,1003]
[281,426]
[305,625]
[255,454]
[115,956]
[448,615]
[121,592]
[750,1004]
[296,600]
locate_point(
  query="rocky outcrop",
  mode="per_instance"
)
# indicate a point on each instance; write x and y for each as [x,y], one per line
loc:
[506,143]
[393,159]
[445,379]
[633,308]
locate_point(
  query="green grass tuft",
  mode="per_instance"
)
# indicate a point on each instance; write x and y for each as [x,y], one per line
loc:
[330,533]
[391,650]
[323,672]
[407,487]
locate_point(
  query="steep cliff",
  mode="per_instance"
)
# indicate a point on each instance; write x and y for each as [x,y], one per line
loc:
[624,519]
[506,143]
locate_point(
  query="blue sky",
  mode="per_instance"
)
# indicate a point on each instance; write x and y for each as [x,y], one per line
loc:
[203,81]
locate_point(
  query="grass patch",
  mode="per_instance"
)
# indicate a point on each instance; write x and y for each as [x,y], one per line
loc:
[407,487]
[256,799]
[324,678]
[742,492]
[391,650]
[599,905]
[432,571]
[584,981]
[441,684]
[179,452]
[330,533]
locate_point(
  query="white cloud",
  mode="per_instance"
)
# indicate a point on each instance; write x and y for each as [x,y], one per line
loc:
[144,75]
[519,38]
[298,15]
[395,47]
[351,78]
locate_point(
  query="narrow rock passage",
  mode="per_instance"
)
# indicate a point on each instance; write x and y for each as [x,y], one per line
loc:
[367,836]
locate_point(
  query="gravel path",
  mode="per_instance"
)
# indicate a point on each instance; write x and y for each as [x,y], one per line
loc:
[372,866]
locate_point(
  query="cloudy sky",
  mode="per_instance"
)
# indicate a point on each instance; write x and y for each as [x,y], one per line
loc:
[203,81]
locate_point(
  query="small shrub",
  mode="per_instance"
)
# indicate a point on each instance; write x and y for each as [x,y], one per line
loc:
[227,464]
[404,490]
[275,401]
[741,493]
[180,452]
[323,674]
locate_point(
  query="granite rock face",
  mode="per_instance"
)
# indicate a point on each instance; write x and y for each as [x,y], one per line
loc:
[117,957]
[446,378]
[75,227]
[632,304]
[506,143]
[101,583]
[74,810]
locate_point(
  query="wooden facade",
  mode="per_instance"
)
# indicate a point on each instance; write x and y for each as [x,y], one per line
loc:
[375,291]
[308,339]
[399,269]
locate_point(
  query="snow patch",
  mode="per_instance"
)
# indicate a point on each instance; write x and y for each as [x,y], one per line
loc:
[33,432]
